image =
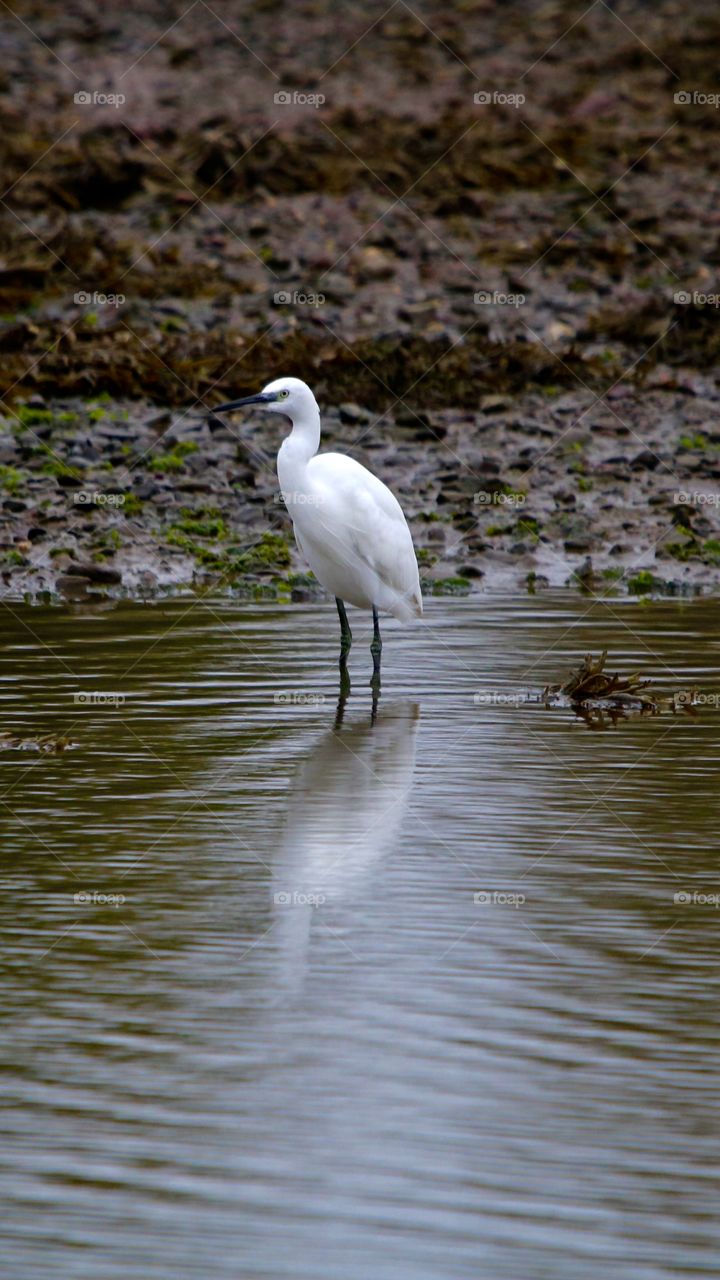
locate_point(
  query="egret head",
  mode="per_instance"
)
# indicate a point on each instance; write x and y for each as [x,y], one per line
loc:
[290,396]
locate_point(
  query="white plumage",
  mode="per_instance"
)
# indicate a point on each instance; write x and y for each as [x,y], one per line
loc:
[354,535]
[348,525]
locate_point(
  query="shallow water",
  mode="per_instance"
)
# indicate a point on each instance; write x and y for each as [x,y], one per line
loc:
[299,1046]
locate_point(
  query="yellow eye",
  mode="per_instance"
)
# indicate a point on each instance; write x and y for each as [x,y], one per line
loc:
[283,395]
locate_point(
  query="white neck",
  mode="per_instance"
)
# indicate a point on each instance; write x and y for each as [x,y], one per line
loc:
[299,447]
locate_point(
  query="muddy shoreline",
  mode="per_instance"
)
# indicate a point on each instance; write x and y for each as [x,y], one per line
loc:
[506,308]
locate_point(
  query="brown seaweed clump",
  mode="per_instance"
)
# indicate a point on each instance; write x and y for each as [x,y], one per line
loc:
[590,687]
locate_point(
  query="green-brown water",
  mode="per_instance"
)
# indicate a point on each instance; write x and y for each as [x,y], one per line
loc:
[293,1043]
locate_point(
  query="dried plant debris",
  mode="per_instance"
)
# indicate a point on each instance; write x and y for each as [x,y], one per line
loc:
[49,744]
[591,688]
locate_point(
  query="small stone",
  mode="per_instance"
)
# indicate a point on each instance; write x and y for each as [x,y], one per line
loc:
[73,588]
[374,264]
[350,413]
[493,404]
[557,330]
[94,572]
[646,460]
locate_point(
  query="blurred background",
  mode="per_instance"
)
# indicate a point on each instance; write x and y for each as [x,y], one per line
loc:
[467,226]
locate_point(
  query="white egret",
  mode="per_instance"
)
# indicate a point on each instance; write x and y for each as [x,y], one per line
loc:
[348,525]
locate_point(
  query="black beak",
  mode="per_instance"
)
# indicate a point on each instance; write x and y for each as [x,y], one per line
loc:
[261,398]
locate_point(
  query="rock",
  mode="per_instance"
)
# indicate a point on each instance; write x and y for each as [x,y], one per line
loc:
[337,288]
[557,330]
[351,413]
[421,424]
[646,460]
[73,588]
[493,404]
[373,264]
[94,573]
[413,311]
[599,102]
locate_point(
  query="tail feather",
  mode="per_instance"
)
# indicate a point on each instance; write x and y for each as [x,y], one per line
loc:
[405,608]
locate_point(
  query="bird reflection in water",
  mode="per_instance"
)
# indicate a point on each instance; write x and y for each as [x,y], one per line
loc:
[345,812]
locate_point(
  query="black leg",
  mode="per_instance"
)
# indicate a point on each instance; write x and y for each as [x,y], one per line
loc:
[376,649]
[345,632]
[342,699]
[376,646]
[345,643]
